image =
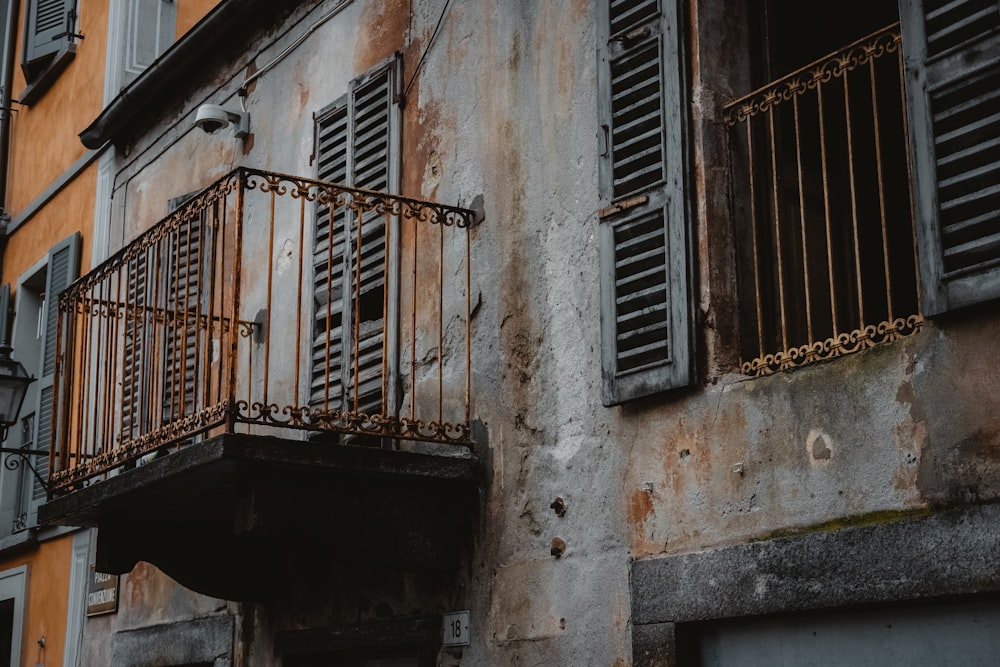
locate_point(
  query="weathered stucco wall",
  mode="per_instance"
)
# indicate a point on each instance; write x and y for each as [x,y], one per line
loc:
[146,598]
[504,105]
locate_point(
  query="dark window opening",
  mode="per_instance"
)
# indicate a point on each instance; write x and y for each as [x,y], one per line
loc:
[824,230]
[6,631]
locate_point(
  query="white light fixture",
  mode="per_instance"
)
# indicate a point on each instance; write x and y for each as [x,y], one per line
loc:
[211,118]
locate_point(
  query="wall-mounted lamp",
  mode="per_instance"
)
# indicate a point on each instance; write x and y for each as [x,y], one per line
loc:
[14,381]
[211,118]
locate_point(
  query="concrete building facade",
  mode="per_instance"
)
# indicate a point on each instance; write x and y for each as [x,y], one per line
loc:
[645,332]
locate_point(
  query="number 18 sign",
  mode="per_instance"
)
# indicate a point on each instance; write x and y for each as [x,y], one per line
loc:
[456,628]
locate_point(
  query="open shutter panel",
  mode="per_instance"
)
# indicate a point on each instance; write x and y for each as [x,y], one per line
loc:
[47,28]
[135,372]
[645,293]
[371,106]
[62,269]
[184,277]
[354,141]
[952,53]
[327,382]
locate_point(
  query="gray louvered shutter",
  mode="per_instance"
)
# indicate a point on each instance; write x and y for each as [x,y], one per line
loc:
[62,269]
[952,54]
[371,110]
[150,27]
[645,275]
[327,381]
[47,27]
[135,370]
[184,277]
[355,145]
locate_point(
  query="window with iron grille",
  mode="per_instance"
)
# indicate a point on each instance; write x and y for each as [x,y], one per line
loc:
[824,233]
[836,202]
[355,261]
[864,178]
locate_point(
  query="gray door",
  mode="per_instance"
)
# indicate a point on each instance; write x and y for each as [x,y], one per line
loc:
[965,634]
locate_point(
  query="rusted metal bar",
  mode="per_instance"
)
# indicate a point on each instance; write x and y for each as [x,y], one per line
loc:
[826,210]
[777,233]
[298,300]
[355,306]
[237,288]
[468,327]
[802,221]
[440,309]
[385,313]
[328,329]
[854,204]
[753,236]
[413,328]
[881,192]
[270,296]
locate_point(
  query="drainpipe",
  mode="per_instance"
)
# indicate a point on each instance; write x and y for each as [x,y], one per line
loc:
[10,11]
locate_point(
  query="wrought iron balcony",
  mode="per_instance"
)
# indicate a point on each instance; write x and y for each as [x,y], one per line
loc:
[267,304]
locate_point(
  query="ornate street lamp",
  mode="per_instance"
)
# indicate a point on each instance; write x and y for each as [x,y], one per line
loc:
[14,381]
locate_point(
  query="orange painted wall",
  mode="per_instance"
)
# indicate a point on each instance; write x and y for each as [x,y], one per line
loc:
[47,600]
[190,12]
[71,210]
[45,141]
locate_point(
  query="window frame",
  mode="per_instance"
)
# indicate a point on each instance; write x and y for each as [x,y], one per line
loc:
[127,33]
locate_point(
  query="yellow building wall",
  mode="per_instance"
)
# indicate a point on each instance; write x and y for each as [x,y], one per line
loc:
[47,599]
[70,211]
[190,12]
[44,136]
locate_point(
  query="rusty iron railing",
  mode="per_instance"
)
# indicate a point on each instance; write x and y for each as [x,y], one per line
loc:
[822,186]
[242,312]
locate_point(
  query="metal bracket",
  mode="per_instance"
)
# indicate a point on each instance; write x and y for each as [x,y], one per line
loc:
[13,464]
[70,35]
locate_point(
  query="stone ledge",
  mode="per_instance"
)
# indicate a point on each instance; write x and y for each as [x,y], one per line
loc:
[952,552]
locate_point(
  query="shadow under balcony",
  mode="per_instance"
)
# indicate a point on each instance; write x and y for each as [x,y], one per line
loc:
[231,423]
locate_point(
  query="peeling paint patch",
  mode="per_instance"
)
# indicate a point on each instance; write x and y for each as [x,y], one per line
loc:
[819,446]
[640,507]
[284,259]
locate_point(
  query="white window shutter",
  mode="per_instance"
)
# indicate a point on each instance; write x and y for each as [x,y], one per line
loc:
[644,227]
[952,58]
